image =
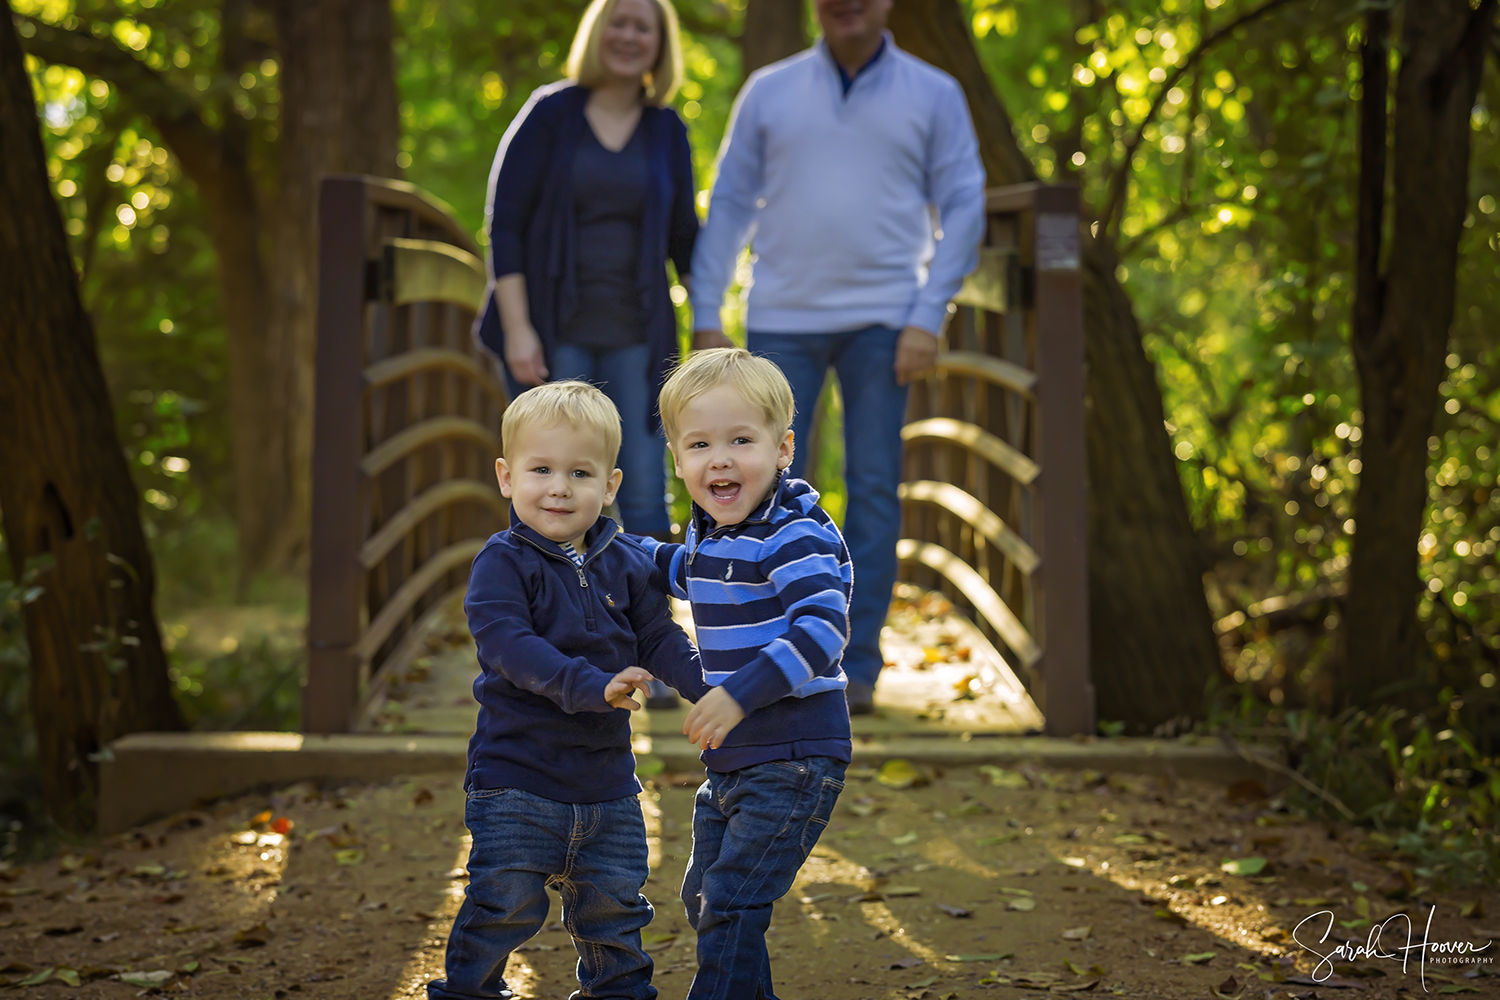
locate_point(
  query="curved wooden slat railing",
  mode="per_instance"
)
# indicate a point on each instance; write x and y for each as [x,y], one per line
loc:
[407,429]
[994,498]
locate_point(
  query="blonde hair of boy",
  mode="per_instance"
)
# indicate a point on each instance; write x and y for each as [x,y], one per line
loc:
[587,69]
[576,403]
[758,380]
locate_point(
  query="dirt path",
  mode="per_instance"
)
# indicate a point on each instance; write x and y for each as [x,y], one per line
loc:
[952,888]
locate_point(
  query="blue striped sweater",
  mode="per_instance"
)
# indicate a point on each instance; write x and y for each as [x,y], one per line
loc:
[770,598]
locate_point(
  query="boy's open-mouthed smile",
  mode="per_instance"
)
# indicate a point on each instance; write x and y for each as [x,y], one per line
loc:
[726,454]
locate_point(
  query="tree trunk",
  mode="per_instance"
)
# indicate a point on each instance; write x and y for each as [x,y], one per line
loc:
[97,666]
[774,29]
[1153,650]
[1400,335]
[338,115]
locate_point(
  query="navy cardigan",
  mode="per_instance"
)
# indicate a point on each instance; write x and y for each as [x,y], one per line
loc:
[531,221]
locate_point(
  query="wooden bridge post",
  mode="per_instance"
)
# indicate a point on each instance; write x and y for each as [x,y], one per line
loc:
[1062,617]
[335,576]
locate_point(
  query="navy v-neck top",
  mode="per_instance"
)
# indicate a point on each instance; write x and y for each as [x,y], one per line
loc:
[609,197]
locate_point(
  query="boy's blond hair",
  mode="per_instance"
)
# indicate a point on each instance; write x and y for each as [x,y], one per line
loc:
[585,66]
[758,380]
[577,403]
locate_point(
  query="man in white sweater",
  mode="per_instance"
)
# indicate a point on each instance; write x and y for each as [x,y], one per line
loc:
[854,169]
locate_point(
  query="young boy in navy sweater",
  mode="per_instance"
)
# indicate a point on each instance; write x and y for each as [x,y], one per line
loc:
[562,607]
[769,579]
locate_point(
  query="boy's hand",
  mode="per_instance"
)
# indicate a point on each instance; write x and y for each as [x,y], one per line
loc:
[617,691]
[712,718]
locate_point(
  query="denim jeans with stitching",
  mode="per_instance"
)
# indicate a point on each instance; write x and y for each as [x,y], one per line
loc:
[594,855]
[752,829]
[874,410]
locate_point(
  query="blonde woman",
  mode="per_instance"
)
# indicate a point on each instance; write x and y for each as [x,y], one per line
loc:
[590,195]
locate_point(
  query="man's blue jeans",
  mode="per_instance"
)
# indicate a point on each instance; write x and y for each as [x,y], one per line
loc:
[624,376]
[874,410]
[594,855]
[752,829]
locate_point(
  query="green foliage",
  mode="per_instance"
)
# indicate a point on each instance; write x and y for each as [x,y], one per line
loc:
[256,686]
[1237,242]
[1428,781]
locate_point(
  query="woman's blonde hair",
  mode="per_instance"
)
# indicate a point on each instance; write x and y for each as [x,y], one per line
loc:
[586,67]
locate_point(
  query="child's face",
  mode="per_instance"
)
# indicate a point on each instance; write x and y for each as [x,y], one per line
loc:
[726,455]
[559,479]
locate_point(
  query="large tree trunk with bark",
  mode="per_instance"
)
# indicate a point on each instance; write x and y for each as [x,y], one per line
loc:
[338,116]
[774,29]
[1401,320]
[97,666]
[1153,650]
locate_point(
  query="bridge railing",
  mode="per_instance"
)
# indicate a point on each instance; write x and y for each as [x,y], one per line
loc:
[407,425]
[994,495]
[406,432]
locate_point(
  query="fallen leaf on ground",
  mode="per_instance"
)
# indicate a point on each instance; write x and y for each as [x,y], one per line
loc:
[37,978]
[999,838]
[922,983]
[899,891]
[253,937]
[906,839]
[1244,866]
[261,818]
[423,796]
[1199,958]
[899,774]
[1246,790]
[1226,990]
[146,980]
[349,856]
[1074,987]
[1001,778]
[1075,862]
[1010,891]
[1077,933]
[994,956]
[909,962]
[954,911]
[67,975]
[1021,904]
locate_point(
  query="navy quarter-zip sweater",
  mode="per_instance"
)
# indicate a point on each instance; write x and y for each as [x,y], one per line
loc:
[770,600]
[551,635]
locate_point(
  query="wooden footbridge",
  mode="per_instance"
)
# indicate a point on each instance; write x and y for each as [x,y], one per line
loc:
[407,430]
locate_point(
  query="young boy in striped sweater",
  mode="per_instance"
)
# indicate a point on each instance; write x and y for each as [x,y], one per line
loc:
[769,579]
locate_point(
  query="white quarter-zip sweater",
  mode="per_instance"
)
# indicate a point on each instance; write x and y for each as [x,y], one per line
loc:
[838,195]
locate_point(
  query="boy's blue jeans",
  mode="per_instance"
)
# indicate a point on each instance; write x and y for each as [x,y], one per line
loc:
[752,829]
[874,410]
[594,855]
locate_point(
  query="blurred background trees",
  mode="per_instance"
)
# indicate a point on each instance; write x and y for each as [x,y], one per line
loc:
[1248,325]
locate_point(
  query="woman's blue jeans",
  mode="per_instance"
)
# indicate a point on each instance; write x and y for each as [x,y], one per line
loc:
[594,855]
[752,829]
[874,410]
[625,377]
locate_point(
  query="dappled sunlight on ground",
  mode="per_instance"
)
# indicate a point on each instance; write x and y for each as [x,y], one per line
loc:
[965,883]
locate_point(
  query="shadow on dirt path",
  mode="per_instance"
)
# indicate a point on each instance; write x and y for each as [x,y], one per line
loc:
[969,883]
